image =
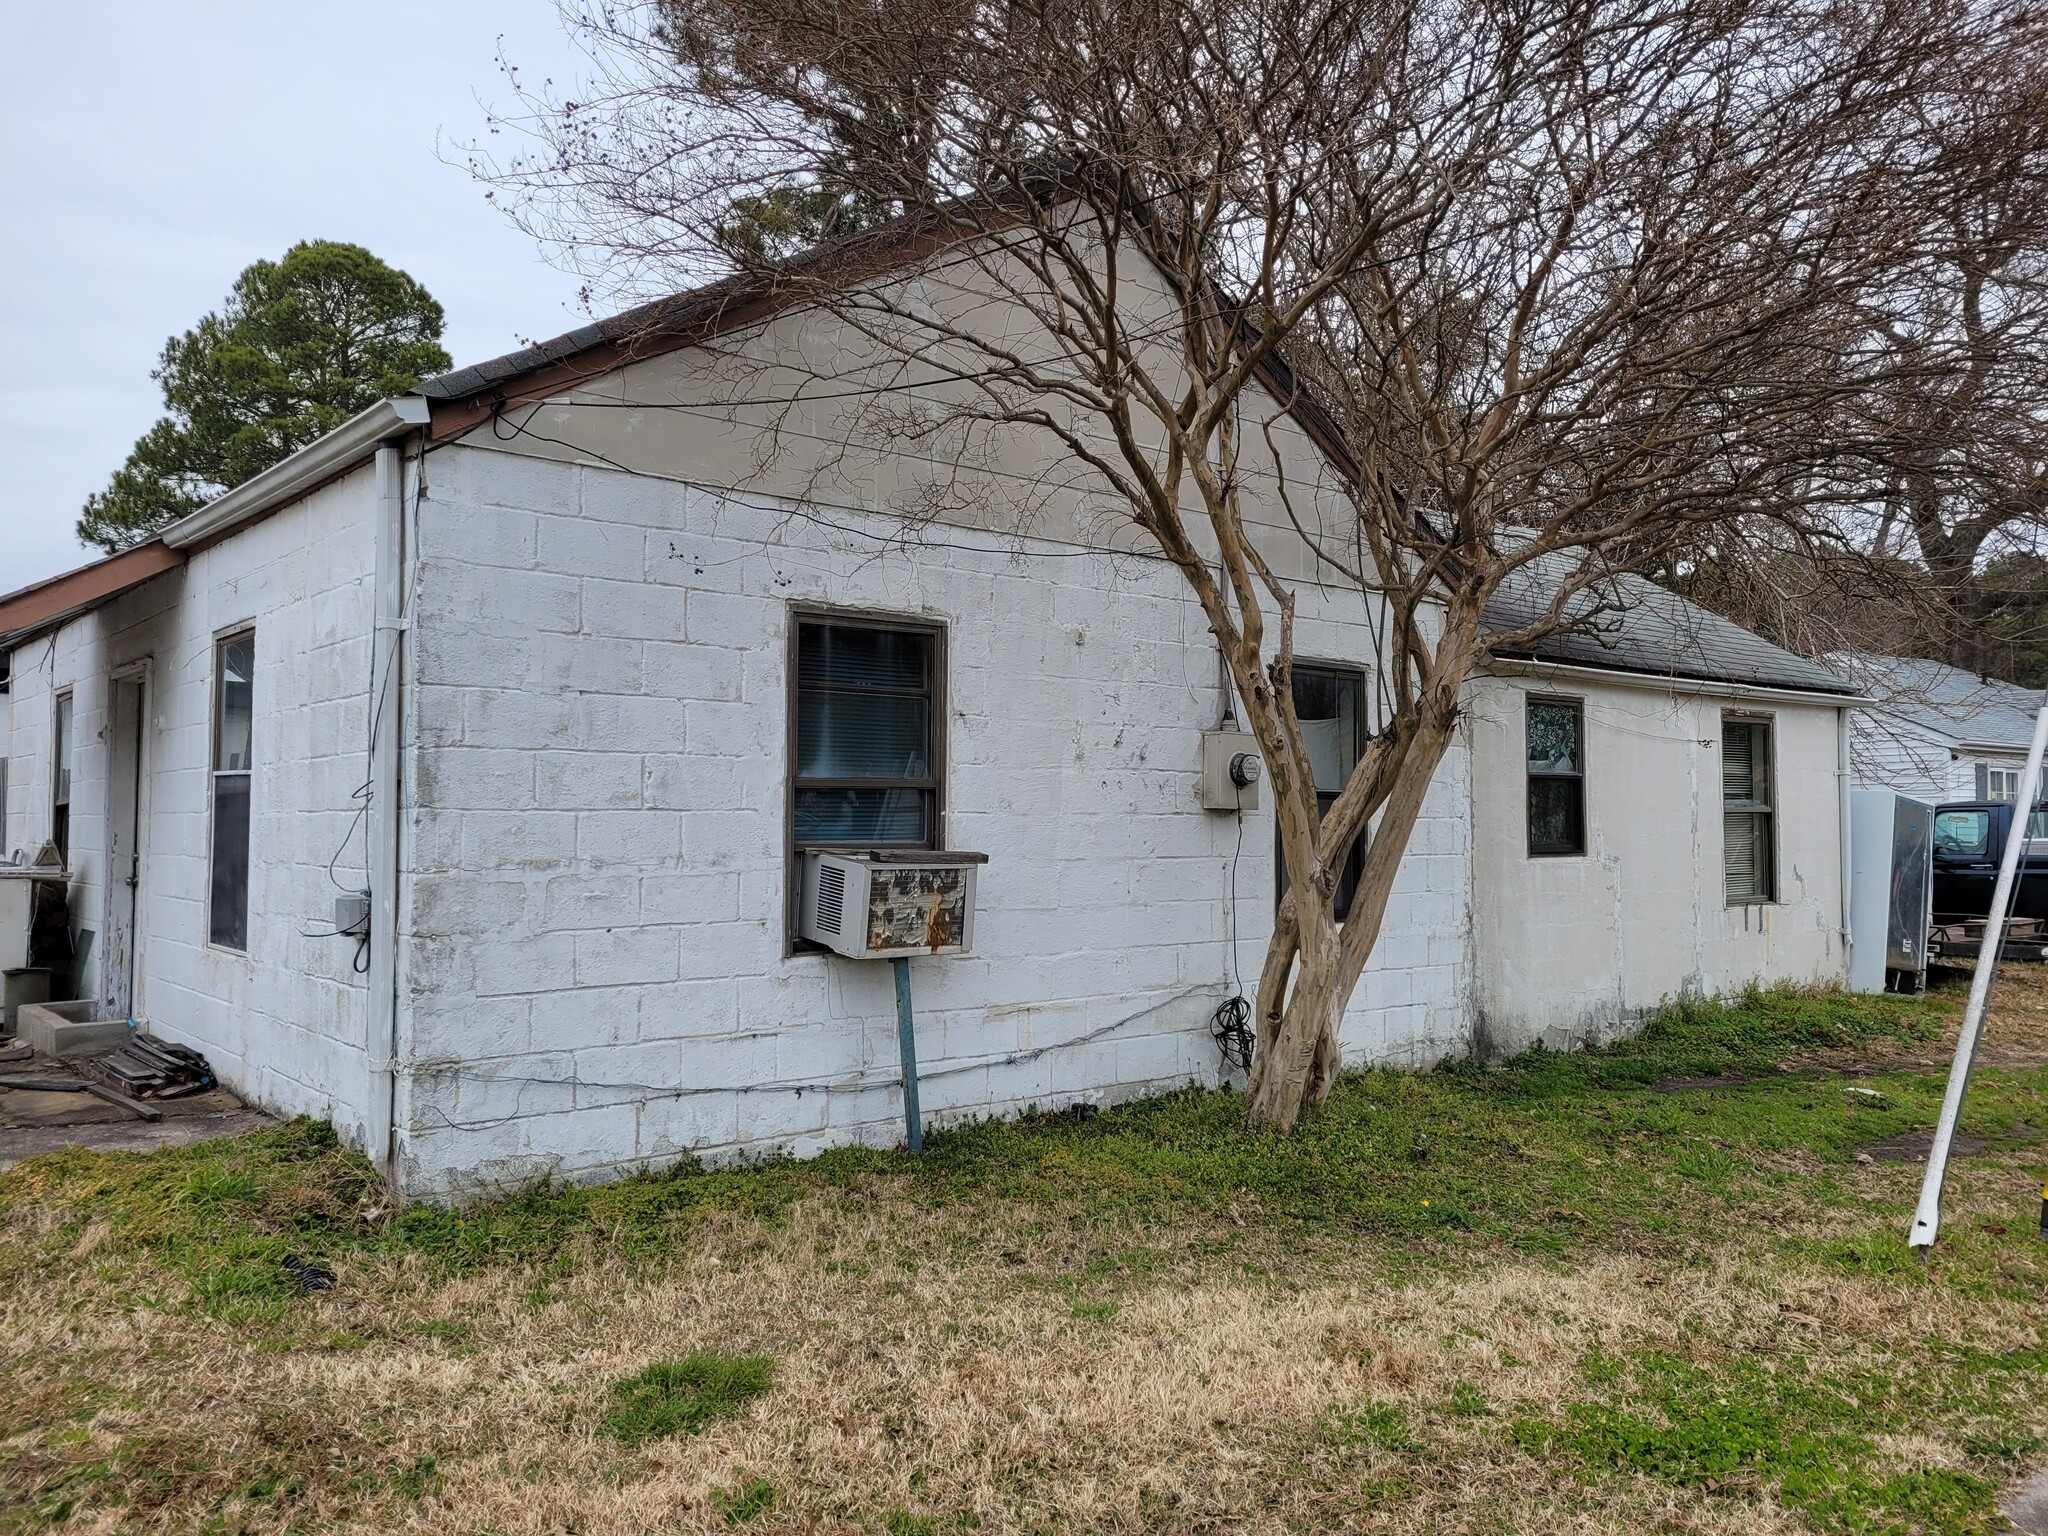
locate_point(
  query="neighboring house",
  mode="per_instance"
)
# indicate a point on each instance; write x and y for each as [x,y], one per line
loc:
[1936,732]
[561,666]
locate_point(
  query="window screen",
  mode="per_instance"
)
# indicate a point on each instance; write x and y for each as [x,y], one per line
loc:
[865,753]
[1330,706]
[1746,810]
[234,737]
[1556,748]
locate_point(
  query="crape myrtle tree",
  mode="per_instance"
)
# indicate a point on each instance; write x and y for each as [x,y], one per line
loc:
[301,345]
[1576,283]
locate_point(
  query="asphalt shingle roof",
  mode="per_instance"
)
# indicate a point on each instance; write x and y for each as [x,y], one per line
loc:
[1630,624]
[1948,700]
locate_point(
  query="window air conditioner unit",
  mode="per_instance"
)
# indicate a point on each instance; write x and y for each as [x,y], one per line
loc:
[890,903]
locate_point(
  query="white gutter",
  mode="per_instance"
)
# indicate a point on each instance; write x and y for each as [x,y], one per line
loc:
[313,465]
[387,649]
[1666,682]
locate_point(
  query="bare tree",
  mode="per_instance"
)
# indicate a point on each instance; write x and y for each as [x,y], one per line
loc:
[1564,288]
[1966,319]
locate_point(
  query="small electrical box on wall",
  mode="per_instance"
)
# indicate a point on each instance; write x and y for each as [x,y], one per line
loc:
[1231,770]
[890,902]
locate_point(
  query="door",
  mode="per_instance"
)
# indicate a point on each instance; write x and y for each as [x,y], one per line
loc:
[1966,843]
[126,705]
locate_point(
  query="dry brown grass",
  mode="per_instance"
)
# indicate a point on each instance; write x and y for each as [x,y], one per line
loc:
[985,1365]
[916,1382]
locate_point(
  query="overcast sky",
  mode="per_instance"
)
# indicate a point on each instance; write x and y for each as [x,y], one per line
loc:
[151,152]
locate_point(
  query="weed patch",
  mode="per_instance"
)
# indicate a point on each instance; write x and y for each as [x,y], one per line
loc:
[747,1501]
[1804,1434]
[681,1397]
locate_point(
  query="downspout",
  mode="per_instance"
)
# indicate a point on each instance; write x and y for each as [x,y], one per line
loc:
[1842,784]
[386,650]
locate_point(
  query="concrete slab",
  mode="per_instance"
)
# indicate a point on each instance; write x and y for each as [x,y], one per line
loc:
[2026,1505]
[68,1030]
[32,1122]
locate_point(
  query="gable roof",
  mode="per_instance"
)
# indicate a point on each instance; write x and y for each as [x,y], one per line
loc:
[1958,706]
[1630,624]
[1635,626]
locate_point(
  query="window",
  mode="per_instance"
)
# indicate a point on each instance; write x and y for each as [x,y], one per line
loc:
[1962,834]
[1556,742]
[60,780]
[234,726]
[2001,784]
[1746,834]
[1329,703]
[866,774]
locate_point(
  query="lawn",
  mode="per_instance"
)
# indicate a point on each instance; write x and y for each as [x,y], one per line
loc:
[1661,1287]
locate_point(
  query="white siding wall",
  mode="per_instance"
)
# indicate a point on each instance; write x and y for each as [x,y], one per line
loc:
[282,1024]
[597,976]
[1574,949]
[1889,752]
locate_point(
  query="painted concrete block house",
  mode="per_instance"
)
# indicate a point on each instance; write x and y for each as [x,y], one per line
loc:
[1936,732]
[559,667]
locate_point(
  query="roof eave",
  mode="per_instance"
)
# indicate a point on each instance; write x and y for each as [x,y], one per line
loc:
[311,467]
[1635,677]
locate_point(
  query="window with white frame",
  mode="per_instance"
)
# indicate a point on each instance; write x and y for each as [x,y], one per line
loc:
[1748,833]
[2001,783]
[234,740]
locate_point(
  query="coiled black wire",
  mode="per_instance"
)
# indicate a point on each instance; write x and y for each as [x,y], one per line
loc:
[1232,1025]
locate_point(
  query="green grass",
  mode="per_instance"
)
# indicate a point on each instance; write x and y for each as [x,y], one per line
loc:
[1780,1424]
[749,1500]
[1565,1156]
[682,1397]
[1546,1154]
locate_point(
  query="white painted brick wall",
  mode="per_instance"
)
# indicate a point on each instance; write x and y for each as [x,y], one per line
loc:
[282,1024]
[597,976]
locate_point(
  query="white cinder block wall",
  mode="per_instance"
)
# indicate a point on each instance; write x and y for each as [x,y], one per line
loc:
[596,975]
[1572,949]
[282,1023]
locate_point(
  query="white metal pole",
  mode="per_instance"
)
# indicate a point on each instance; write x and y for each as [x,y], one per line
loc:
[1927,1219]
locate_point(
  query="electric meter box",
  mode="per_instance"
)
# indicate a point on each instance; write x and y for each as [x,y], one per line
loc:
[890,903]
[1231,770]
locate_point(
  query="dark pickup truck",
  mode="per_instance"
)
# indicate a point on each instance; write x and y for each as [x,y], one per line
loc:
[1969,839]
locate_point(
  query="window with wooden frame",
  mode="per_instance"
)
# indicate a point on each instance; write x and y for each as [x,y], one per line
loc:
[234,742]
[864,720]
[1554,735]
[1748,833]
[60,778]
[1329,704]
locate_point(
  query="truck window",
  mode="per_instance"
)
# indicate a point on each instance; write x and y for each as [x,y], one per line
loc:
[1962,834]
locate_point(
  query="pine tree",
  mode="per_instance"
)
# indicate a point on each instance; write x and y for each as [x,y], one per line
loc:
[300,346]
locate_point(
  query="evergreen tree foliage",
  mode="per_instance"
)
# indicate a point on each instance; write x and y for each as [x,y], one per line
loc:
[301,345]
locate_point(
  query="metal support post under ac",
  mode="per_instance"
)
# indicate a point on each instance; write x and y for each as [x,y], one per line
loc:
[906,1045]
[388,601]
[1927,1218]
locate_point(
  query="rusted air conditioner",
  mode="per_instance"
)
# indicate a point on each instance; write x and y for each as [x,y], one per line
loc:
[890,903]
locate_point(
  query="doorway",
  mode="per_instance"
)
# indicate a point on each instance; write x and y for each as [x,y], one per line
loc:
[127,706]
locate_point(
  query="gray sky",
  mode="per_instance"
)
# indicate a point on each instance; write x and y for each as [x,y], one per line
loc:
[150,152]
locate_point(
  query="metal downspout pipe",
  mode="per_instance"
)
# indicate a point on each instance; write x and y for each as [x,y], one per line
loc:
[387,646]
[1842,786]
